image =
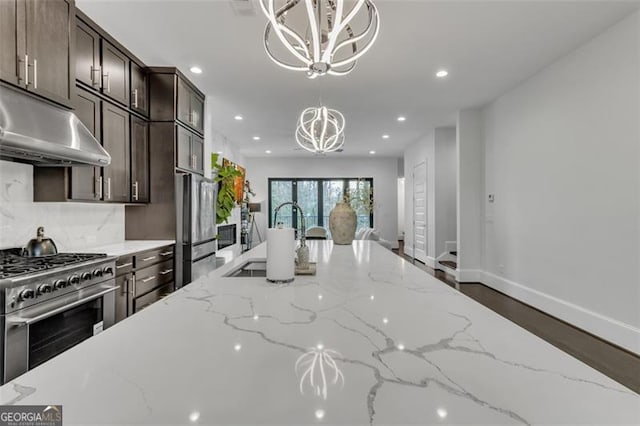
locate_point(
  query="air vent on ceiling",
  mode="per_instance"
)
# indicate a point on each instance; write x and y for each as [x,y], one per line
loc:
[243,7]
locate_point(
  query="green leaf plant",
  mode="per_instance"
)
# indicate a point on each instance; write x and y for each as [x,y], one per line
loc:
[225,202]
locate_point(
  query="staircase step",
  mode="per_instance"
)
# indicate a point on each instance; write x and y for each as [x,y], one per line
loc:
[449,264]
[454,253]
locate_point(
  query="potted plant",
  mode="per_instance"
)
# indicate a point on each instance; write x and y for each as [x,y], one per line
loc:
[225,176]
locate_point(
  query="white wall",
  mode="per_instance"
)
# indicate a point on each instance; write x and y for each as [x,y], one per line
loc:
[384,172]
[72,226]
[418,152]
[215,142]
[445,163]
[470,194]
[401,196]
[563,160]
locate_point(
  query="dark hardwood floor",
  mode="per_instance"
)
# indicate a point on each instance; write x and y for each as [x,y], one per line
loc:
[613,361]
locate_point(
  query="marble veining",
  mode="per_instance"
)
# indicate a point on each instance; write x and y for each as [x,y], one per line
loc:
[370,339]
[73,226]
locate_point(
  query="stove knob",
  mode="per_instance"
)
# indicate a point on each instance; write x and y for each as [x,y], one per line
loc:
[59,284]
[26,294]
[85,276]
[108,270]
[74,279]
[97,272]
[44,288]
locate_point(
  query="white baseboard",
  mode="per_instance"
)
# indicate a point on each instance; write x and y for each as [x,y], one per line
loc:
[469,275]
[600,325]
[430,262]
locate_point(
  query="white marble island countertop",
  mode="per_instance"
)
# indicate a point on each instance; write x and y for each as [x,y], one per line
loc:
[370,339]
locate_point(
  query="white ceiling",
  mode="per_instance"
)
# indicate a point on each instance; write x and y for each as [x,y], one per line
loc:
[487,46]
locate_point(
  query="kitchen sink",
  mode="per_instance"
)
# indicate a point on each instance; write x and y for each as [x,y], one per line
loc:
[251,268]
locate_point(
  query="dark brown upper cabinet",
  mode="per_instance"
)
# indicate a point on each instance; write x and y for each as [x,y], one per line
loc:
[86,182]
[87,53]
[190,106]
[189,151]
[115,73]
[35,47]
[115,139]
[139,92]
[139,160]
[173,97]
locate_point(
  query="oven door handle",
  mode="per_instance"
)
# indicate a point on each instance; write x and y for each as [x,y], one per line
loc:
[27,321]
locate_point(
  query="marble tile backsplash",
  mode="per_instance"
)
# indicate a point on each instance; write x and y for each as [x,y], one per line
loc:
[73,226]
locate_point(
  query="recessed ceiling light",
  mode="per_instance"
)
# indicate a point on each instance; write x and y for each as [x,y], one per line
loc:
[402,118]
[196,70]
[442,73]
[372,152]
[268,151]
[256,138]
[238,118]
[385,136]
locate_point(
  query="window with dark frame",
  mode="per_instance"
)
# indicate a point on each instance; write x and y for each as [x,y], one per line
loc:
[316,197]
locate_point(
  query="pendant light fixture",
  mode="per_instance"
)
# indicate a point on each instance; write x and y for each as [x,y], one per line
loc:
[321,36]
[320,130]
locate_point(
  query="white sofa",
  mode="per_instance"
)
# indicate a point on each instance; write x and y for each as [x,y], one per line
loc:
[373,235]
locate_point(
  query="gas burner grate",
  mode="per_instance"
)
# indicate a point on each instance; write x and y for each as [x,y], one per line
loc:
[13,264]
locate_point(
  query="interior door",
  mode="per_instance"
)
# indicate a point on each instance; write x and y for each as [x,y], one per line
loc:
[420,212]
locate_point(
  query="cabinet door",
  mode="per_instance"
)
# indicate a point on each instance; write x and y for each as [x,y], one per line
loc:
[139,161]
[115,139]
[115,73]
[197,152]
[184,102]
[139,89]
[183,149]
[197,112]
[122,295]
[48,46]
[87,55]
[85,184]
[11,67]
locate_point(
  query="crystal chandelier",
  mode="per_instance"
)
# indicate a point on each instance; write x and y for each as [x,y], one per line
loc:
[320,130]
[322,36]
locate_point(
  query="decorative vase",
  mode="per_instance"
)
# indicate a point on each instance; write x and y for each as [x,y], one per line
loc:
[342,223]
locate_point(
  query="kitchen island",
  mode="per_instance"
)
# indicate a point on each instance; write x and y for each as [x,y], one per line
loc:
[370,339]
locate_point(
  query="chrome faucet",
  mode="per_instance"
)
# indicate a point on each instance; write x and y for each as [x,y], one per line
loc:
[302,251]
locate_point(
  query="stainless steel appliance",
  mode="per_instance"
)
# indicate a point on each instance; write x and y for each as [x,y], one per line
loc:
[49,304]
[196,220]
[37,132]
[40,246]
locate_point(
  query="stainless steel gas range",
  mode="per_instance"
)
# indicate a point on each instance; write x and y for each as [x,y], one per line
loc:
[49,304]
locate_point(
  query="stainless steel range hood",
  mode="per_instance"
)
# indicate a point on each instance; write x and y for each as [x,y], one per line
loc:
[36,132]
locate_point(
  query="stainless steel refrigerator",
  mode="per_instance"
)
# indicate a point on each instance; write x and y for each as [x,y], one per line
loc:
[196,225]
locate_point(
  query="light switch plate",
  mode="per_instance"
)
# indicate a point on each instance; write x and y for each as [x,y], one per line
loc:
[491,198]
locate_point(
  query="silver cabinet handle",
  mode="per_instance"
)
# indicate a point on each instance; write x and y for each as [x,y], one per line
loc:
[135,191]
[95,81]
[135,98]
[35,73]
[166,272]
[146,280]
[123,289]
[124,265]
[100,187]
[146,259]
[106,75]
[166,253]
[26,70]
[133,286]
[108,188]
